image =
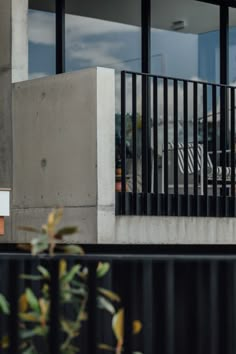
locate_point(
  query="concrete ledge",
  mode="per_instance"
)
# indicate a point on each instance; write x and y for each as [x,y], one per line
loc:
[172,230]
[83,218]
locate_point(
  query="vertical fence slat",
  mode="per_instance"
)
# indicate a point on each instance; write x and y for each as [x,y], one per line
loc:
[155,140]
[214,146]
[170,308]
[176,168]
[200,308]
[223,117]
[185,103]
[214,308]
[134,140]
[128,302]
[233,144]
[145,143]
[144,136]
[54,345]
[123,141]
[195,145]
[13,301]
[148,306]
[92,307]
[205,148]
[234,306]
[165,114]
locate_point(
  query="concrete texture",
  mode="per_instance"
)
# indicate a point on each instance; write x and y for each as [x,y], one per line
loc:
[83,218]
[19,11]
[105,155]
[5,101]
[172,230]
[63,129]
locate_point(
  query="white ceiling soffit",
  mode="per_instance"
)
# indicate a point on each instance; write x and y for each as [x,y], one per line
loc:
[198,17]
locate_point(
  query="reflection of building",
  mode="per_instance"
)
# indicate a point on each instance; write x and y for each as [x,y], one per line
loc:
[57,133]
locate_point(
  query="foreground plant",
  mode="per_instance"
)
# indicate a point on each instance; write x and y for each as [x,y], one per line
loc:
[34,309]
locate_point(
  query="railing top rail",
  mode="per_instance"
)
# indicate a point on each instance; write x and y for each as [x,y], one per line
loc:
[178,79]
[122,257]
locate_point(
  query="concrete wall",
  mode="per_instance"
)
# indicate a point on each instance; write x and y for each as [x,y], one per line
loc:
[62,128]
[173,230]
[5,100]
[19,13]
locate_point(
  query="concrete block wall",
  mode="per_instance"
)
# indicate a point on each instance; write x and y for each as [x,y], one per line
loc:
[64,152]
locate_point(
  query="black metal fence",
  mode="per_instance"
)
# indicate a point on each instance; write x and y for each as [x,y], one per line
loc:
[186,303]
[181,135]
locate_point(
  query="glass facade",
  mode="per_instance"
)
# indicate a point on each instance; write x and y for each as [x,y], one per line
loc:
[42,44]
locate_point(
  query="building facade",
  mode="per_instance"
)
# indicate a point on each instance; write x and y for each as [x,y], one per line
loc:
[141,93]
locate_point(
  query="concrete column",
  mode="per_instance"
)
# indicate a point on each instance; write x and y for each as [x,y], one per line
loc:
[5,102]
[19,40]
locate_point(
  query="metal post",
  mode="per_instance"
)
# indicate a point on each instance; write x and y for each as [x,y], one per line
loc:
[146,36]
[60,36]
[146,66]
[224,40]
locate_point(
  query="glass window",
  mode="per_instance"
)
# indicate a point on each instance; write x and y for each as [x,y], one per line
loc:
[41,44]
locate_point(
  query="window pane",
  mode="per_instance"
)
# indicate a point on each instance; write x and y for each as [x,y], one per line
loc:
[41,44]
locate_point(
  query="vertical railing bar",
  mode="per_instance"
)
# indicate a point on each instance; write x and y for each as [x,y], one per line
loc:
[200,309]
[128,301]
[234,307]
[134,140]
[92,307]
[13,301]
[155,139]
[214,318]
[233,144]
[186,144]
[165,114]
[195,145]
[148,306]
[176,167]
[123,140]
[223,144]
[205,148]
[170,308]
[214,145]
[54,345]
[144,135]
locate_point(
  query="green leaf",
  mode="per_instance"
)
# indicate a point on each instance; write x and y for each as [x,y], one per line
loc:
[102,269]
[31,277]
[29,350]
[66,231]
[4,305]
[30,316]
[73,249]
[67,278]
[104,304]
[103,346]
[30,333]
[45,273]
[39,244]
[32,300]
[110,294]
[4,342]
[68,327]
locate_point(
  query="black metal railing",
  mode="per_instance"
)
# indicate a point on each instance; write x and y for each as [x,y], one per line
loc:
[181,134]
[186,303]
